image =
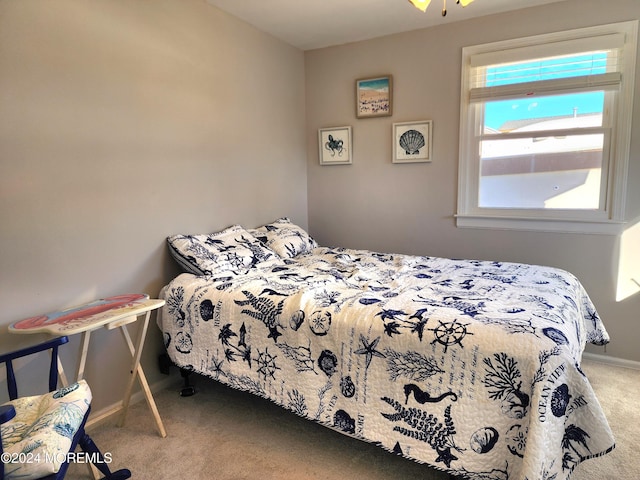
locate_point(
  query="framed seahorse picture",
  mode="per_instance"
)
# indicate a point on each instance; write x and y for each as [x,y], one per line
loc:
[334,145]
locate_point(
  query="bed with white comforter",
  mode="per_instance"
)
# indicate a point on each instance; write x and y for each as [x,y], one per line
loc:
[472,367]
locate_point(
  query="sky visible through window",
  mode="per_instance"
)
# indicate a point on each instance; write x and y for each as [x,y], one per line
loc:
[499,112]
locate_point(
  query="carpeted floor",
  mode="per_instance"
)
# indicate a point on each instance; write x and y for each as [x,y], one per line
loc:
[223,434]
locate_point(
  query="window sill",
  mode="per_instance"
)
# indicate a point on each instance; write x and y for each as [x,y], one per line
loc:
[609,227]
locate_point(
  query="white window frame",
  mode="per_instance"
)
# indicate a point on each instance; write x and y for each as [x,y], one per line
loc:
[606,220]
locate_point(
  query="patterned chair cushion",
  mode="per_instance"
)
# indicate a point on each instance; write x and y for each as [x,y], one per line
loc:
[41,433]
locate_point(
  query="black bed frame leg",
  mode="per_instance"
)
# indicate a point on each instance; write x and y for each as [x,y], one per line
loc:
[187,389]
[165,364]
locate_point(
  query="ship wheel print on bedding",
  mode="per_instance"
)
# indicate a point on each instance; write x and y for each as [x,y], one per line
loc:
[266,364]
[450,333]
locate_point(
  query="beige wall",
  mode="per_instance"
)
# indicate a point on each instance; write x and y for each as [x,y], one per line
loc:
[409,208]
[122,122]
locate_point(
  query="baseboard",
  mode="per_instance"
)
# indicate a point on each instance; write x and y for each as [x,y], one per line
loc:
[613,361]
[105,414]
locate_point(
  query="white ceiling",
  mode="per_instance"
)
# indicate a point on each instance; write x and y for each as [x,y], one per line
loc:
[309,24]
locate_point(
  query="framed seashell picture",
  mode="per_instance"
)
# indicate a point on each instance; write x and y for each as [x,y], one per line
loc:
[412,141]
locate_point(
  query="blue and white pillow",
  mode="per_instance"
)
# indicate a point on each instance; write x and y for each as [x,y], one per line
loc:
[230,252]
[285,238]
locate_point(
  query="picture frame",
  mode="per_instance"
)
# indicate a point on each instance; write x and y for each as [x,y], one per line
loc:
[412,141]
[334,145]
[374,96]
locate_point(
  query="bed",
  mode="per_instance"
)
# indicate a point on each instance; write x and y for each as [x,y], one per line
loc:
[471,367]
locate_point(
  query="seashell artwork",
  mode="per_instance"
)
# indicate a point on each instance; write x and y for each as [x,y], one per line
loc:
[555,335]
[296,320]
[206,310]
[328,362]
[560,400]
[412,141]
[320,322]
[183,342]
[484,439]
[344,422]
[347,386]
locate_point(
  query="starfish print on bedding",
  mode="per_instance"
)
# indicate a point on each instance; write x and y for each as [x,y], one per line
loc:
[215,367]
[369,350]
[593,316]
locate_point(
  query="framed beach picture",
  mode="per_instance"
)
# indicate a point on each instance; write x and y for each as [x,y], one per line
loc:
[334,145]
[374,96]
[412,141]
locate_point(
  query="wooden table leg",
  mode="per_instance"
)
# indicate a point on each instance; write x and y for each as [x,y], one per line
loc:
[86,336]
[136,369]
[61,374]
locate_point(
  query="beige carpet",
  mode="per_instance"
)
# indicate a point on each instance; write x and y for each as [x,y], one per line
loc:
[223,434]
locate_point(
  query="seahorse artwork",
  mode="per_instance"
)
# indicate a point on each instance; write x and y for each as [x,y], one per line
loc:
[423,397]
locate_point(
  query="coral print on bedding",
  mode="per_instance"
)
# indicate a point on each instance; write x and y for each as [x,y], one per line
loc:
[472,367]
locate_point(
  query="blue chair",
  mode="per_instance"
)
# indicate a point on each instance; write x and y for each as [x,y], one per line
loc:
[39,434]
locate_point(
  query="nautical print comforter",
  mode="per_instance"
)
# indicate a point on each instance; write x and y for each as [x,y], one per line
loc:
[468,366]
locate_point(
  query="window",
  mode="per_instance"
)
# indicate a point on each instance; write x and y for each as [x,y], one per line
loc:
[545,131]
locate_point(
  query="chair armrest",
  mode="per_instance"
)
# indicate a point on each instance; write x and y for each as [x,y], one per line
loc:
[7,412]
